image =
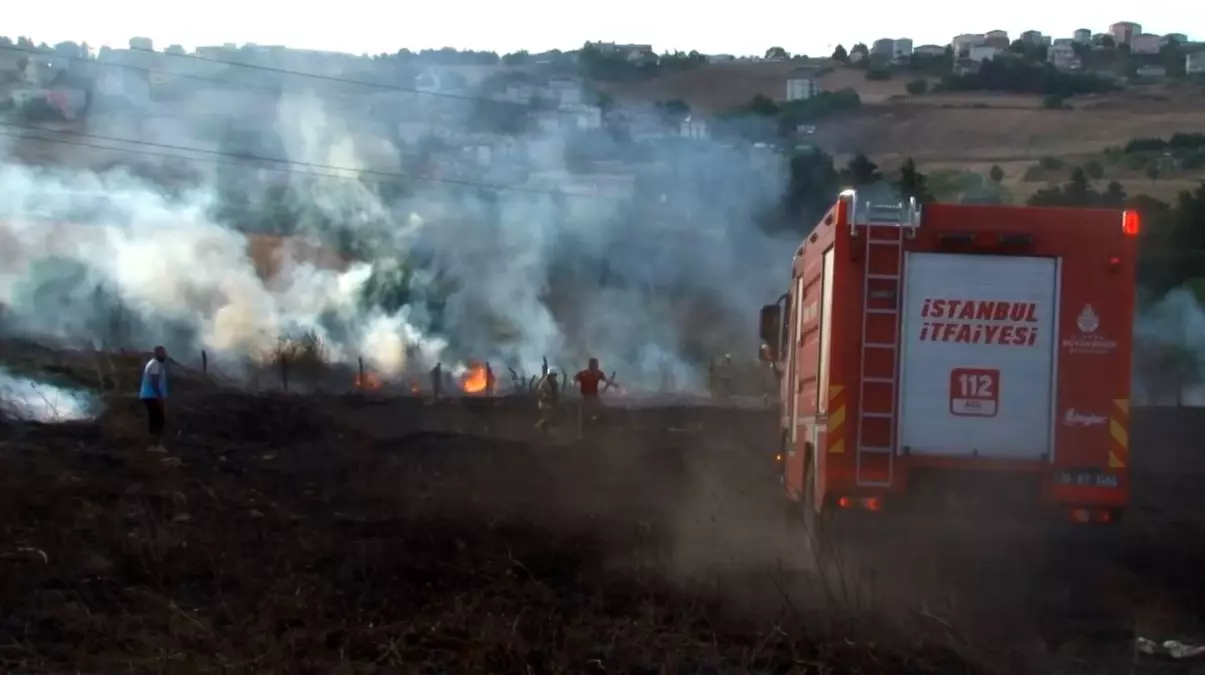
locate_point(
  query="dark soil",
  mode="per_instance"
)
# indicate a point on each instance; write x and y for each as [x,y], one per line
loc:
[341,535]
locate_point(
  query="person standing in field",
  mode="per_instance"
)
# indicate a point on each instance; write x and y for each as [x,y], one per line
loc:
[587,381]
[153,393]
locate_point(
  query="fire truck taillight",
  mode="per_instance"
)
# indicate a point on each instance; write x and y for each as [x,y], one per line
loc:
[1131,223]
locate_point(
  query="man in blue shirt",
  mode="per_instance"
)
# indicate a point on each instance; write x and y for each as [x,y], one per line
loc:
[153,393]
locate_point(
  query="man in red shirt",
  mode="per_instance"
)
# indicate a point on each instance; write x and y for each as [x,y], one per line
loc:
[588,381]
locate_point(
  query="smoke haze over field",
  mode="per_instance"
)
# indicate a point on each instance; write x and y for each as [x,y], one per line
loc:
[658,276]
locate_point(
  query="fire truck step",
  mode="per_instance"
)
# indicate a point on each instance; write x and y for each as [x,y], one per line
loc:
[877,415]
[876,449]
[884,277]
[879,345]
[881,311]
[884,242]
[879,380]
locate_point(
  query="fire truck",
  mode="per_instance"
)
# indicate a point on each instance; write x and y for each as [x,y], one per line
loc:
[957,344]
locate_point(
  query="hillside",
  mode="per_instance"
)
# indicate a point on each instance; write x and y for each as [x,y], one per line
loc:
[956,132]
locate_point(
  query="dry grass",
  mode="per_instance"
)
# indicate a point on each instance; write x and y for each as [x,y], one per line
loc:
[994,134]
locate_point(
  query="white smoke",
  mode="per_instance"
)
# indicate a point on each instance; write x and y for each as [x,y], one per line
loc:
[1170,340]
[476,274]
[24,399]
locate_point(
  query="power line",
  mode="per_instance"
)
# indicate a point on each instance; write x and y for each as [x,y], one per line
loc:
[259,67]
[282,165]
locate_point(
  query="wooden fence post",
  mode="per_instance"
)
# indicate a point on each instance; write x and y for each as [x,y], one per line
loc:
[437,379]
[284,372]
[204,363]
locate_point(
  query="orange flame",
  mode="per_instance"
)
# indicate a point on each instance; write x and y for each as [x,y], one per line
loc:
[415,388]
[368,381]
[475,380]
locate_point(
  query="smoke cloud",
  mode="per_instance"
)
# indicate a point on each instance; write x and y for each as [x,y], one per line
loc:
[388,244]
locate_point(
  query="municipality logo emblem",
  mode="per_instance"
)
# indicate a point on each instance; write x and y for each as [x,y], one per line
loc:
[1088,321]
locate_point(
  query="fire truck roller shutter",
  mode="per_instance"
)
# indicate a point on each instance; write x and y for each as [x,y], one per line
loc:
[978,340]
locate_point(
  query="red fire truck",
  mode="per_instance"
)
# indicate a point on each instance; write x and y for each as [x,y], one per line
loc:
[958,341]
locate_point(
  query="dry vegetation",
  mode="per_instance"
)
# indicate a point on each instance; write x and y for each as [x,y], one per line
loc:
[996,134]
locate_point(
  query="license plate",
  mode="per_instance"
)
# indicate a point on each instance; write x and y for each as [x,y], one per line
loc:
[1088,479]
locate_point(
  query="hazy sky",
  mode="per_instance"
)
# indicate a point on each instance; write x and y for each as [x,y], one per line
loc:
[723,26]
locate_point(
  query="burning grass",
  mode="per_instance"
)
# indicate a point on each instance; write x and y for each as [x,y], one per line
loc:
[285,541]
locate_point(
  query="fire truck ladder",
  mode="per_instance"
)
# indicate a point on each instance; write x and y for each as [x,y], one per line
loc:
[882,293]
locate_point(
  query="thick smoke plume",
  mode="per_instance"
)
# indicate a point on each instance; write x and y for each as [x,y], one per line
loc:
[385,253]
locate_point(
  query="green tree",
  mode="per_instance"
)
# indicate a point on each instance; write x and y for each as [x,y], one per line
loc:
[996,173]
[516,58]
[811,188]
[912,183]
[1152,172]
[1114,195]
[777,53]
[861,54]
[1094,170]
[839,54]
[763,106]
[916,87]
[861,171]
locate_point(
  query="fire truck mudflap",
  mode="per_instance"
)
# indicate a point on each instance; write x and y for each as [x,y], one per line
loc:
[978,356]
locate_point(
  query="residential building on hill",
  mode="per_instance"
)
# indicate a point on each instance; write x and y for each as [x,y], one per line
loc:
[802,85]
[1194,63]
[1145,43]
[1124,32]
[883,47]
[1063,57]
[930,50]
[982,53]
[963,43]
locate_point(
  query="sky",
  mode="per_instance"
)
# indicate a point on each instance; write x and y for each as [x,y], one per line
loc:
[376,26]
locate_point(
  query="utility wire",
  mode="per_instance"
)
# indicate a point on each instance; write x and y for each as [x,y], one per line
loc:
[281,164]
[259,67]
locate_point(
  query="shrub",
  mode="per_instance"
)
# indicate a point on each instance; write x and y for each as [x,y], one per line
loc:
[1034,174]
[1051,163]
[917,87]
[1055,102]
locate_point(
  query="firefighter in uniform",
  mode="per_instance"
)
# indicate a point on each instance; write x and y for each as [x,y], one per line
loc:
[548,399]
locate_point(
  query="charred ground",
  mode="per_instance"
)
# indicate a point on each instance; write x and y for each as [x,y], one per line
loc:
[352,534]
